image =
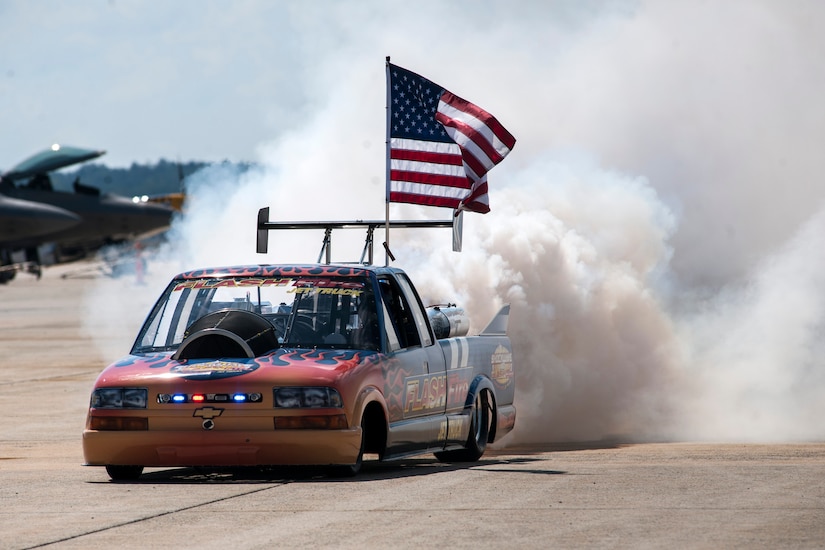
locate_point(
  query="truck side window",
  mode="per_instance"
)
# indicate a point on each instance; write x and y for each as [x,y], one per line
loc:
[417,309]
[401,316]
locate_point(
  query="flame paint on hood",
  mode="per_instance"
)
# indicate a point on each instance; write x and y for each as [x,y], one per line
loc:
[282,362]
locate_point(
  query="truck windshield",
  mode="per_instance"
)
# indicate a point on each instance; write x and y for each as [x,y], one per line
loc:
[306,311]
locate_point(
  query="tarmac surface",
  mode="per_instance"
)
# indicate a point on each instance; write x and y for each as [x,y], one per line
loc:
[684,495]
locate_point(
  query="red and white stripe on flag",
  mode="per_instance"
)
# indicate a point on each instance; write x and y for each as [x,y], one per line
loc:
[427,172]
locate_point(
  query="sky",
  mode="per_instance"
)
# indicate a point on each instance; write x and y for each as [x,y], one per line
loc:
[657,227]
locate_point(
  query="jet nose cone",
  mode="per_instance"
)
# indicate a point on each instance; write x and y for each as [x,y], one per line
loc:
[22,219]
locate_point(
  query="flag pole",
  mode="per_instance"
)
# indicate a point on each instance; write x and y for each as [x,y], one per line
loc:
[387,196]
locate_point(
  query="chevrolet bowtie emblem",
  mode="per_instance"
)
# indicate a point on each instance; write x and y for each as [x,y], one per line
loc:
[208,412]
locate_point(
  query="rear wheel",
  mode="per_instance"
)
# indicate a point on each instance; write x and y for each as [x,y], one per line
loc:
[124,473]
[480,417]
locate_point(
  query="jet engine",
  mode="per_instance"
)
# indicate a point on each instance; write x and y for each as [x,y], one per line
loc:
[448,321]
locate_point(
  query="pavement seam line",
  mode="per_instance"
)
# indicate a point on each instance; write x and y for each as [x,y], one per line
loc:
[154,516]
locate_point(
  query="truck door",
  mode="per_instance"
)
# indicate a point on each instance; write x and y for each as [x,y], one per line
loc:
[415,383]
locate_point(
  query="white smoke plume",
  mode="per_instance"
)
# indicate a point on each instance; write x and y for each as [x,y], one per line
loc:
[657,229]
[580,254]
[756,350]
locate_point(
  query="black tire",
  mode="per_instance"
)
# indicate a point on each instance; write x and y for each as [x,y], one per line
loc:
[476,444]
[124,473]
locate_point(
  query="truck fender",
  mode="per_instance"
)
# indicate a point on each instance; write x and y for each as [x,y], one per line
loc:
[376,425]
[480,383]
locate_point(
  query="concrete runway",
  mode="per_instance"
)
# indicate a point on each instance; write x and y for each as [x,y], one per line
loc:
[682,495]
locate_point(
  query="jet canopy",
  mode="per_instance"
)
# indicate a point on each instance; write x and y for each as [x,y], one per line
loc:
[54,158]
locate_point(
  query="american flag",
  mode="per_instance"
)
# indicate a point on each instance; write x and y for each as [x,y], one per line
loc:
[441,146]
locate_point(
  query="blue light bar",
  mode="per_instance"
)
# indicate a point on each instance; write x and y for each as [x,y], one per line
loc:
[179,398]
[239,397]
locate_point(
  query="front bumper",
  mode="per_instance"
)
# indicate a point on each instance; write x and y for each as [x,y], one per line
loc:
[222,448]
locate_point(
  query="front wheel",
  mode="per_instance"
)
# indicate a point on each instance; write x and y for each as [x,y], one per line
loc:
[480,417]
[124,473]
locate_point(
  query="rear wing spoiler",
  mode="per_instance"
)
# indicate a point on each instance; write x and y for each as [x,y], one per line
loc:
[265,226]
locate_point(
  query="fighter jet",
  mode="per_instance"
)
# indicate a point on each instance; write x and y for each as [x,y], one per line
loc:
[99,218]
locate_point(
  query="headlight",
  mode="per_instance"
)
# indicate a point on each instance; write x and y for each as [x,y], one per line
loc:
[119,398]
[293,398]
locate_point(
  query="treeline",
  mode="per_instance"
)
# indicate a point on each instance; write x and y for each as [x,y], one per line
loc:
[139,179]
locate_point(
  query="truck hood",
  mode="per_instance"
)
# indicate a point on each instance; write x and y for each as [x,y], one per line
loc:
[283,366]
